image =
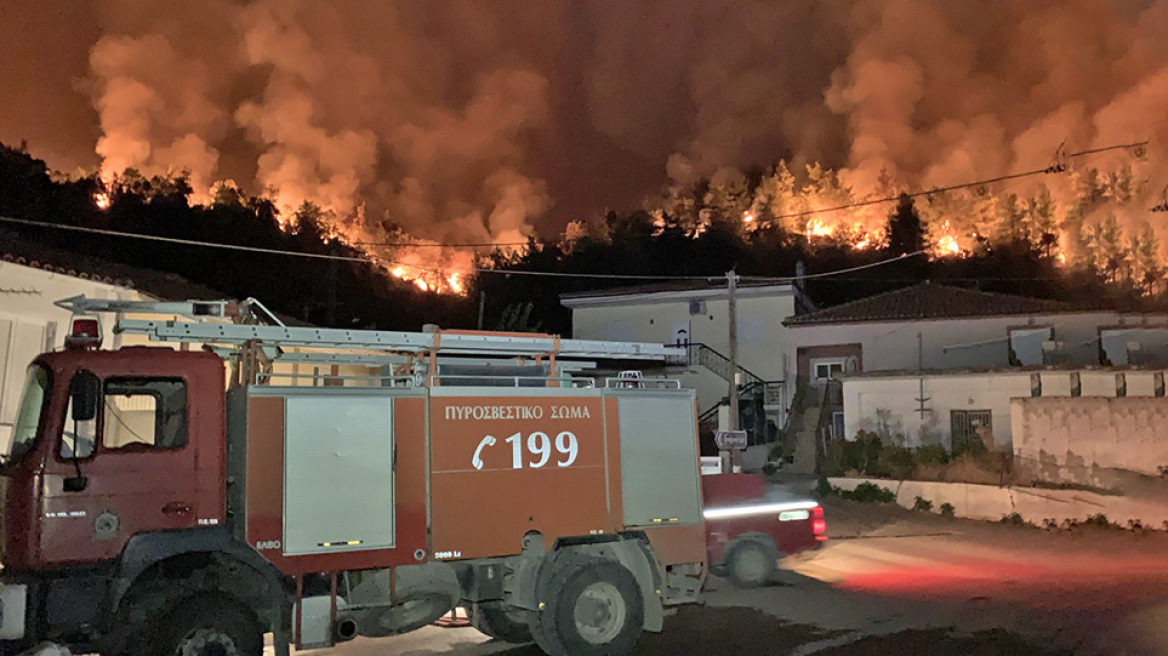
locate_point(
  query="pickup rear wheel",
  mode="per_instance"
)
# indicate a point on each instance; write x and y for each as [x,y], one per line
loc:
[209,625]
[593,608]
[751,563]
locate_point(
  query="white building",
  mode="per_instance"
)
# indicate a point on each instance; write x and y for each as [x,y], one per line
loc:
[952,408]
[932,364]
[698,315]
[937,327]
[31,324]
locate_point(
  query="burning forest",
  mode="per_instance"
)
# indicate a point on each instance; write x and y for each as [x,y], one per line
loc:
[437,138]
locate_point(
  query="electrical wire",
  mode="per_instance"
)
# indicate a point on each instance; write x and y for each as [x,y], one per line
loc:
[593,276]
[413,245]
[437,270]
[964,185]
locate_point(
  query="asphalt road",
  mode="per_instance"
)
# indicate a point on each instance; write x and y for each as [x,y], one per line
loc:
[895,582]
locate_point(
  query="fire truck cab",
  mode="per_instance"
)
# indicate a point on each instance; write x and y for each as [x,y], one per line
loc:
[147,509]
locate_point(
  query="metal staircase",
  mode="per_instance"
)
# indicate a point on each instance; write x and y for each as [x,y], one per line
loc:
[754,392]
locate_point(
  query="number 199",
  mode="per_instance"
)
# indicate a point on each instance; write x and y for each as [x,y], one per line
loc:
[540,446]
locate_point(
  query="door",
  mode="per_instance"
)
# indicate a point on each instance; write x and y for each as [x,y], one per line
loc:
[971,429]
[130,471]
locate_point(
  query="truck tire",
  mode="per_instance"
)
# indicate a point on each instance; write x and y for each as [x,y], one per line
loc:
[208,625]
[593,607]
[494,621]
[751,563]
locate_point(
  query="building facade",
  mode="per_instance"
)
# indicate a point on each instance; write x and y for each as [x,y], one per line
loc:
[698,315]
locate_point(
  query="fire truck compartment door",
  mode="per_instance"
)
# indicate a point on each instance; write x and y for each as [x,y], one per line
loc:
[659,460]
[338,474]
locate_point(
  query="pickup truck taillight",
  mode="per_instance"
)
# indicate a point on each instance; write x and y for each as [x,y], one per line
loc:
[818,523]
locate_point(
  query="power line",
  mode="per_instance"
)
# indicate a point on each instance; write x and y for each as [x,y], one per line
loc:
[827,274]
[435,270]
[964,185]
[184,242]
[413,245]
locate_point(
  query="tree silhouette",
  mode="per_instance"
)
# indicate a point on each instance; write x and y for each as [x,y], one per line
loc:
[905,232]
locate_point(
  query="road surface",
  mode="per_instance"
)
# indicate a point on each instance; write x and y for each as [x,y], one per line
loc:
[895,582]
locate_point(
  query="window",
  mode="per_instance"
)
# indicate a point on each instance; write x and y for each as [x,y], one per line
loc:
[971,430]
[824,370]
[144,411]
[837,426]
[28,417]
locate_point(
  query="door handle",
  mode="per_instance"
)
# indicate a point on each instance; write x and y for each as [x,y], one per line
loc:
[176,508]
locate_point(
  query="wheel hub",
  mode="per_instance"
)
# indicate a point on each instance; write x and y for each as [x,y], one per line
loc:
[207,642]
[600,613]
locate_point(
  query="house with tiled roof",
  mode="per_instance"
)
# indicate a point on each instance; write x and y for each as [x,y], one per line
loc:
[933,363]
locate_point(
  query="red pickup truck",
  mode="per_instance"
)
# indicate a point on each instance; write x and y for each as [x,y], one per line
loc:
[750,525]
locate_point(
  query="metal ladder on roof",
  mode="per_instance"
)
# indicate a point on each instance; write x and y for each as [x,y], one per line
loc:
[245,328]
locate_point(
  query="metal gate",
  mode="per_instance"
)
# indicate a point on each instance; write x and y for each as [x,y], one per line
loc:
[969,428]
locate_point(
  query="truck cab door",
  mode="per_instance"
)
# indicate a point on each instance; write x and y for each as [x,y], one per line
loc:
[130,471]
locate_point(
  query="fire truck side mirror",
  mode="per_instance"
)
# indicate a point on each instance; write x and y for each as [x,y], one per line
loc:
[83,391]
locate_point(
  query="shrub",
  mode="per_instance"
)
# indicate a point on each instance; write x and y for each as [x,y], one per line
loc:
[923,504]
[947,510]
[823,488]
[1099,521]
[868,493]
[1014,519]
[931,454]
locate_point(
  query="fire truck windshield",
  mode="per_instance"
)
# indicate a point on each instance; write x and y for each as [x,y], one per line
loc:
[28,417]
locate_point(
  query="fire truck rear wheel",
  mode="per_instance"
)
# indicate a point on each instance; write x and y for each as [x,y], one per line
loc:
[594,608]
[497,623]
[209,625]
[751,564]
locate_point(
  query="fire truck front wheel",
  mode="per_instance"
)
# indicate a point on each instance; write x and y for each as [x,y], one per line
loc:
[594,608]
[209,625]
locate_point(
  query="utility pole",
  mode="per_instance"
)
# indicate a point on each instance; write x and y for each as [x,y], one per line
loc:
[732,302]
[732,281]
[482,304]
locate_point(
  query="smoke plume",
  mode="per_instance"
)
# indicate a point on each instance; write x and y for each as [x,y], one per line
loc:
[474,121]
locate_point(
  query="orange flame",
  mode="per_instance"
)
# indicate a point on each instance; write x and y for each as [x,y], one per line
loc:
[817,228]
[948,246]
[102,200]
[947,243]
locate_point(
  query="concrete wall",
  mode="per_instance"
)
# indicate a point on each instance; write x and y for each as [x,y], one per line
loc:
[1072,439]
[962,343]
[888,405]
[1035,505]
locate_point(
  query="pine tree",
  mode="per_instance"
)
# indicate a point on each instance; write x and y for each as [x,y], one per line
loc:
[905,232]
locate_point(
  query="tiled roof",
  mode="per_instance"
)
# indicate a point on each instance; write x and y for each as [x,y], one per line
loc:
[159,284]
[930,301]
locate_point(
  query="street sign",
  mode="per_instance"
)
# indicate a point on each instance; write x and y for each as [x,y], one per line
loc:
[730,439]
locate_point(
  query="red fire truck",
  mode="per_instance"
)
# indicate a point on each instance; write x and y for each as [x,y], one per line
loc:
[159,502]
